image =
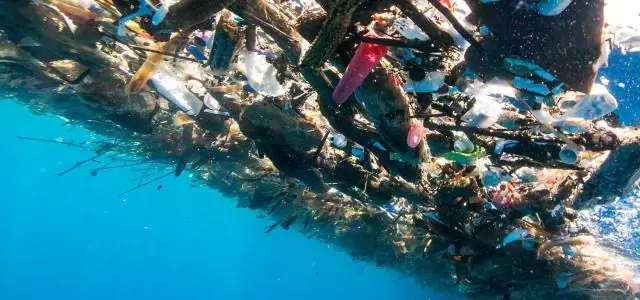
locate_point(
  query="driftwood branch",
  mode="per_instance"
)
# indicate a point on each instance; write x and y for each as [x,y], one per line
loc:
[332,33]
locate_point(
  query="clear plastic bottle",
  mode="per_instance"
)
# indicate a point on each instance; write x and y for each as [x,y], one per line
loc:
[462,143]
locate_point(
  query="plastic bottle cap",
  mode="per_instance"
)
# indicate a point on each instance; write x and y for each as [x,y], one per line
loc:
[569,155]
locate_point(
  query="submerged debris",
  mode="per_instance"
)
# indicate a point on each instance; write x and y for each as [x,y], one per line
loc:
[428,136]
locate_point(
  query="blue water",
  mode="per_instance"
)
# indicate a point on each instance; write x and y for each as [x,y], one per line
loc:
[71,237]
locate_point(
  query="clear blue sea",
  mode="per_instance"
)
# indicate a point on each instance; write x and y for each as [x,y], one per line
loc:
[71,237]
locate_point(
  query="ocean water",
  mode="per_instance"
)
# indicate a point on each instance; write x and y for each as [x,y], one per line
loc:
[71,237]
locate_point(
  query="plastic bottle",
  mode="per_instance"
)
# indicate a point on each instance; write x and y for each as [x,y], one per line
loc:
[365,59]
[596,105]
[170,88]
[484,113]
[462,143]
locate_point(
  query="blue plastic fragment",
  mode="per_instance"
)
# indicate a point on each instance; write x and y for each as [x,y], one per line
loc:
[568,252]
[247,88]
[389,208]
[195,52]
[358,152]
[199,41]
[269,55]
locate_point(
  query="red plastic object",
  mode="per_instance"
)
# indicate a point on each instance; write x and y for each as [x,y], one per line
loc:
[416,132]
[447,3]
[367,56]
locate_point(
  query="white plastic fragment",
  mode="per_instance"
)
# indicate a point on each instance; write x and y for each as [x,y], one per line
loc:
[170,88]
[484,113]
[597,104]
[552,7]
[431,83]
[260,73]
[339,140]
[408,29]
[211,102]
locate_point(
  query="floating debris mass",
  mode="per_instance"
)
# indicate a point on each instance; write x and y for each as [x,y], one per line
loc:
[458,141]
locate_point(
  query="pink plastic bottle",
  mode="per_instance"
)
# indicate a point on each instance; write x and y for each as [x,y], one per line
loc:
[367,56]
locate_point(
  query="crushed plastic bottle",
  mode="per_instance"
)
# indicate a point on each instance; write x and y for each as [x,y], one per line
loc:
[366,57]
[260,73]
[170,88]
[596,105]
[484,113]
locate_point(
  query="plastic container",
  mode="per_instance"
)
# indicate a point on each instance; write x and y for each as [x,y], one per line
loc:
[365,59]
[596,105]
[170,88]
[484,113]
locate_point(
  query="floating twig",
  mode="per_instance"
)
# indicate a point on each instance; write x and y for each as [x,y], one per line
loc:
[80,163]
[145,183]
[55,141]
